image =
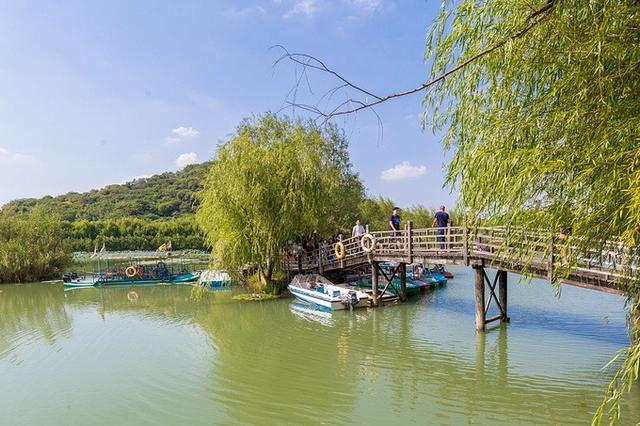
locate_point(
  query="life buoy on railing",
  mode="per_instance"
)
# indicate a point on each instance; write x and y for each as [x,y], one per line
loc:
[339,250]
[131,271]
[368,243]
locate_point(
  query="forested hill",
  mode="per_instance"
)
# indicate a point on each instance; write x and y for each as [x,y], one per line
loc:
[160,196]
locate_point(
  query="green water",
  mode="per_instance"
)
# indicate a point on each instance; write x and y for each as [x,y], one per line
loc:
[99,356]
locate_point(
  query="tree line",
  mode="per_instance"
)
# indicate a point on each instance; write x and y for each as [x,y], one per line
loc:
[133,233]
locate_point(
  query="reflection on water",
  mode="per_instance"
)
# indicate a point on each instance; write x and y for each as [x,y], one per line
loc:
[311,313]
[25,319]
[101,356]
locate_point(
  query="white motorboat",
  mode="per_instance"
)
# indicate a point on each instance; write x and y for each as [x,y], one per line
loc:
[214,279]
[316,289]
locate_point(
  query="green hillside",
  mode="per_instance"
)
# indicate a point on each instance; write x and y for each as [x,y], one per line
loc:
[166,195]
[137,215]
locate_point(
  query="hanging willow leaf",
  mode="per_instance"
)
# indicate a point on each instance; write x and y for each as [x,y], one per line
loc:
[545,132]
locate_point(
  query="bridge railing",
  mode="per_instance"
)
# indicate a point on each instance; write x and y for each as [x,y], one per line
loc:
[541,251]
[427,241]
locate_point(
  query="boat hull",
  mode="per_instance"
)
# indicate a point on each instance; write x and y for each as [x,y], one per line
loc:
[93,282]
[214,279]
[186,278]
[323,300]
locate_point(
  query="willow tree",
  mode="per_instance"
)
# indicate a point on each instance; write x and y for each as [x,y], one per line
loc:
[274,181]
[32,247]
[542,115]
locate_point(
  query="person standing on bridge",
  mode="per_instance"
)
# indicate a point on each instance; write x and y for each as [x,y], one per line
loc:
[358,230]
[394,221]
[441,221]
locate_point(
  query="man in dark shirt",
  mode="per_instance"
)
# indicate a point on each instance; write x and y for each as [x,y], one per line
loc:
[394,221]
[441,220]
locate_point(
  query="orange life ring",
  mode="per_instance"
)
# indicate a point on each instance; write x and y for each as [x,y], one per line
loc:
[131,271]
[339,250]
[368,243]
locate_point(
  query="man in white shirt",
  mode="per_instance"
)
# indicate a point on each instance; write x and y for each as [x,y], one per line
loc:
[357,230]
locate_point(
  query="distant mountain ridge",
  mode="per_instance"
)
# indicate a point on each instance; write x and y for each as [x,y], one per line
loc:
[166,195]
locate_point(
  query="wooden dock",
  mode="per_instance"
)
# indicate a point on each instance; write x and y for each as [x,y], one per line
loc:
[534,254]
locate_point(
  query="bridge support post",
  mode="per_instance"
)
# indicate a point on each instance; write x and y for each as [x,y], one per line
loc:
[374,282]
[502,294]
[479,286]
[499,282]
[403,281]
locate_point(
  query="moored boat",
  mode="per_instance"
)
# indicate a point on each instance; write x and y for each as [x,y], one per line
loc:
[318,290]
[214,279]
[440,270]
[93,280]
[416,272]
[418,278]
[134,268]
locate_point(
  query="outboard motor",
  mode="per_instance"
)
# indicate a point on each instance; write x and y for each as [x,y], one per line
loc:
[350,299]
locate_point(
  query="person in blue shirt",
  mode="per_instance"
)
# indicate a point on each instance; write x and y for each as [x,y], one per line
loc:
[442,221]
[394,221]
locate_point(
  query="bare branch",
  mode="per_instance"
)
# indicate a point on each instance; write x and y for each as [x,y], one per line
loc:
[307,61]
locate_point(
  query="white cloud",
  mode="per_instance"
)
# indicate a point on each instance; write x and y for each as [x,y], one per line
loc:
[5,154]
[248,11]
[302,7]
[403,171]
[366,6]
[187,158]
[185,132]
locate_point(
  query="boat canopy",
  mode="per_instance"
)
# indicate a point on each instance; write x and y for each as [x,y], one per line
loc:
[141,254]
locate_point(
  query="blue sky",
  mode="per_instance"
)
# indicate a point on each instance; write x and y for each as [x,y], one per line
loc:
[102,92]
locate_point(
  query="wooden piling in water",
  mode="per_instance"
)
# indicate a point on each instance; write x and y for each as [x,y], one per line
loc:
[502,294]
[479,287]
[374,282]
[403,281]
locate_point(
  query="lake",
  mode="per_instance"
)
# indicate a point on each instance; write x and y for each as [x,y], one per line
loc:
[105,356]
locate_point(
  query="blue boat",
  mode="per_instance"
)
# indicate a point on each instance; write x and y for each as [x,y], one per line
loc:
[418,278]
[134,268]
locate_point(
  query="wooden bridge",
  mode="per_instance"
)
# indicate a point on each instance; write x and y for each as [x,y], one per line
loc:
[534,254]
